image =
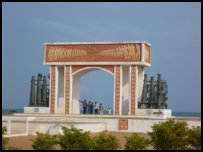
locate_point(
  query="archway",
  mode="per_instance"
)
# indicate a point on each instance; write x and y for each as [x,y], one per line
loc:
[76,83]
[98,86]
[69,61]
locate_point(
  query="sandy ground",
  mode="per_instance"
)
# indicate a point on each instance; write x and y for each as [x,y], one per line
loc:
[24,142]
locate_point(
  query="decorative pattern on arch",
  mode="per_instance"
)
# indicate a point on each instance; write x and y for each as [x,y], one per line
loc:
[109,68]
[67,89]
[133,87]
[52,87]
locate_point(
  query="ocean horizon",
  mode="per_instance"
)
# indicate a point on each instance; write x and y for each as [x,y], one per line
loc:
[174,113]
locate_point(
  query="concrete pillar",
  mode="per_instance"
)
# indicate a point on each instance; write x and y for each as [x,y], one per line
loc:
[117,90]
[76,94]
[125,90]
[61,91]
[140,82]
[52,90]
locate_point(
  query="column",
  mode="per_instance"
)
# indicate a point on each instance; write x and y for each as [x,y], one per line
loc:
[52,91]
[132,89]
[67,89]
[117,90]
[125,90]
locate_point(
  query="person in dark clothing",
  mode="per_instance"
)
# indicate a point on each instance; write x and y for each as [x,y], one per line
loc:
[84,106]
[88,107]
[91,108]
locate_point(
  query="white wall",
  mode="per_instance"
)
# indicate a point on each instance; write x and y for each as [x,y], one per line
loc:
[94,123]
[125,90]
[140,82]
[61,98]
[75,108]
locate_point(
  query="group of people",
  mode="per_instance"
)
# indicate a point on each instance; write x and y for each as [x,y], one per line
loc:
[89,107]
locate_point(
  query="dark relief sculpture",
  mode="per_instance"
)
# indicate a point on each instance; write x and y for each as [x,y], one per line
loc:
[154,94]
[41,99]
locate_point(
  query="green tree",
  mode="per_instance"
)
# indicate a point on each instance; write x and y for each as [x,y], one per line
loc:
[169,135]
[194,138]
[74,139]
[44,142]
[4,140]
[135,142]
[105,142]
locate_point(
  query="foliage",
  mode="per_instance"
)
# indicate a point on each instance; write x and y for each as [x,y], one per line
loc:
[135,142]
[194,138]
[74,139]
[44,142]
[12,111]
[169,135]
[105,142]
[14,148]
[4,140]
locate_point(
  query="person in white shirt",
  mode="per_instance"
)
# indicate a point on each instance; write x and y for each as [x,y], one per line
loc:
[96,108]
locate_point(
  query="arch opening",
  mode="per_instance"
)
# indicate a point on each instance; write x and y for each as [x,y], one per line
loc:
[100,90]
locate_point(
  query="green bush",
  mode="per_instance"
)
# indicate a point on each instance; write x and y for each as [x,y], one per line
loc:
[194,138]
[4,140]
[169,135]
[105,142]
[12,111]
[14,148]
[135,142]
[44,142]
[74,139]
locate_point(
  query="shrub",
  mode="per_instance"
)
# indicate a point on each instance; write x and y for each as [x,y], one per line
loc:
[4,140]
[74,139]
[105,142]
[194,138]
[169,135]
[44,142]
[14,148]
[135,142]
[12,111]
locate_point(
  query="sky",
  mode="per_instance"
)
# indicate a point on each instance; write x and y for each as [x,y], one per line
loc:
[172,29]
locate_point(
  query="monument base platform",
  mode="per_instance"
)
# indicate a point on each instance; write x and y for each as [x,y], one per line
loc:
[51,123]
[36,110]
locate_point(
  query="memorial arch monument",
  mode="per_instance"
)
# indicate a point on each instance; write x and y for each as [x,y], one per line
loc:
[69,61]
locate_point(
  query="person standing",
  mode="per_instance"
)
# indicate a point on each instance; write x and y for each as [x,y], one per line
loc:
[91,108]
[84,106]
[109,111]
[88,107]
[96,108]
[101,109]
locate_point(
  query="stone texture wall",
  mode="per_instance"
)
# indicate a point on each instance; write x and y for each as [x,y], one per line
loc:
[67,89]
[52,95]
[132,89]
[117,89]
[109,68]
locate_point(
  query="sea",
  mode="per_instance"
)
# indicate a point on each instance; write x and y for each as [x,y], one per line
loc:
[177,114]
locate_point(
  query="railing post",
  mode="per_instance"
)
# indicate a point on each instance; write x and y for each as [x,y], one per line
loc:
[26,126]
[9,127]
